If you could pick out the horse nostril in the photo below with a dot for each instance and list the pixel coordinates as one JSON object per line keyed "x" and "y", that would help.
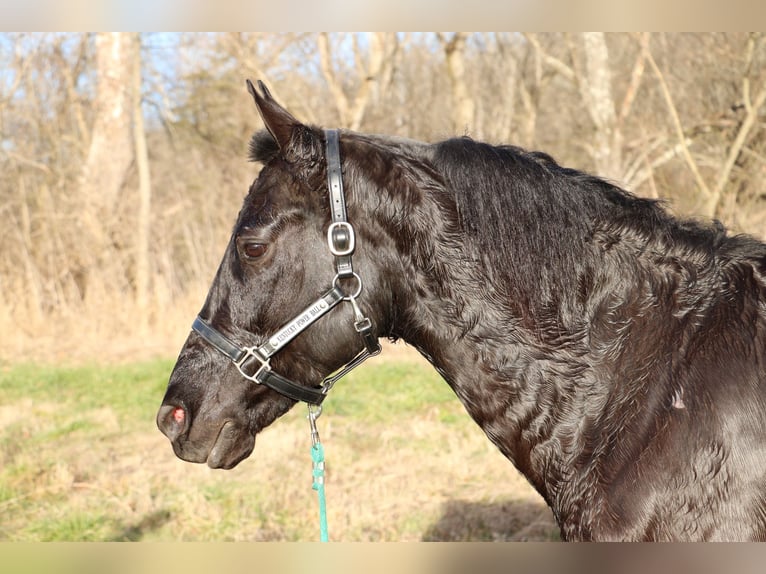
{"x": 171, "y": 420}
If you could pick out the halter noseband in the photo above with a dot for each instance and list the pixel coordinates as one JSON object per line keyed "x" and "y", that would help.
{"x": 253, "y": 362}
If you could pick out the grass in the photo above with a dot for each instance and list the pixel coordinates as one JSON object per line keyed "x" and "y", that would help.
{"x": 129, "y": 390}
{"x": 81, "y": 459}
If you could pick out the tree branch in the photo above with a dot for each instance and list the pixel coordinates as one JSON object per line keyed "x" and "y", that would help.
{"x": 325, "y": 63}
{"x": 635, "y": 79}
{"x": 551, "y": 61}
{"x": 682, "y": 139}
{"x": 752, "y": 107}
{"x": 636, "y": 178}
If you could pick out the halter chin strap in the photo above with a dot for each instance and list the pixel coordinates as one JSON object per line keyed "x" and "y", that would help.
{"x": 253, "y": 362}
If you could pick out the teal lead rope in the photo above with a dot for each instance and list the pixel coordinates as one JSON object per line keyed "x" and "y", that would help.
{"x": 317, "y": 459}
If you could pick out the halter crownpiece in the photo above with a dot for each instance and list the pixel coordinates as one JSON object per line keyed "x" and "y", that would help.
{"x": 253, "y": 362}
{"x": 340, "y": 234}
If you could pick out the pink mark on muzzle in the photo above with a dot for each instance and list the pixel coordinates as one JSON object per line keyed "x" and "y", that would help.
{"x": 179, "y": 415}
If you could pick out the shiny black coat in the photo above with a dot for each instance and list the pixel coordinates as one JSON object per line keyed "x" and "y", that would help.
{"x": 614, "y": 353}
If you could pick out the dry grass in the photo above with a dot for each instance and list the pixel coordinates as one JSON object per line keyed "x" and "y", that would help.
{"x": 76, "y": 469}
{"x": 107, "y": 329}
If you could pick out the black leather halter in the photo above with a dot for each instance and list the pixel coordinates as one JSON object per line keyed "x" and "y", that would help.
{"x": 253, "y": 362}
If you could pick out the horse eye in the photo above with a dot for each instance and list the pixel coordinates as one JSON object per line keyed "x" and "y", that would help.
{"x": 252, "y": 250}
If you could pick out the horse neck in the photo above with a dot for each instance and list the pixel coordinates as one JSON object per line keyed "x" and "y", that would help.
{"x": 484, "y": 308}
{"x": 490, "y": 351}
{"x": 532, "y": 368}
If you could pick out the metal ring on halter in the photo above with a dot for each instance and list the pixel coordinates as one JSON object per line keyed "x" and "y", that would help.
{"x": 358, "y": 289}
{"x": 252, "y": 352}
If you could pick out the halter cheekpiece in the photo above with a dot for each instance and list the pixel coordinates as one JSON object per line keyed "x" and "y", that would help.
{"x": 253, "y": 362}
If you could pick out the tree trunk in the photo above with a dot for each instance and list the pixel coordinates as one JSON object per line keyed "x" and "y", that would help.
{"x": 374, "y": 71}
{"x": 143, "y": 252}
{"x": 463, "y": 105}
{"x": 597, "y": 93}
{"x": 110, "y": 153}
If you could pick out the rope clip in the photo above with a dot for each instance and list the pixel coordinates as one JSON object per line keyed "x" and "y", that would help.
{"x": 314, "y": 412}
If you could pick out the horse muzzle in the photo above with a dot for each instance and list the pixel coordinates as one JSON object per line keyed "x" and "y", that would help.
{"x": 222, "y": 446}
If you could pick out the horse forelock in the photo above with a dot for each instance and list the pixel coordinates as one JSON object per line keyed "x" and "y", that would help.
{"x": 305, "y": 144}
{"x": 263, "y": 147}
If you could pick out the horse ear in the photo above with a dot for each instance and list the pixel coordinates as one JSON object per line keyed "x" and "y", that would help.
{"x": 278, "y": 120}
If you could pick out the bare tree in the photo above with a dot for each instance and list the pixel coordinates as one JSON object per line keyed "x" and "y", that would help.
{"x": 594, "y": 81}
{"x": 720, "y": 198}
{"x": 753, "y": 99}
{"x": 110, "y": 151}
{"x": 596, "y": 88}
{"x": 105, "y": 213}
{"x": 373, "y": 69}
{"x": 463, "y": 105}
{"x": 495, "y": 117}
{"x": 101, "y": 268}
{"x": 142, "y": 247}
{"x": 683, "y": 141}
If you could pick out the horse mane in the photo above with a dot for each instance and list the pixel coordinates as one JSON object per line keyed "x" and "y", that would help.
{"x": 542, "y": 224}
{"x": 501, "y": 190}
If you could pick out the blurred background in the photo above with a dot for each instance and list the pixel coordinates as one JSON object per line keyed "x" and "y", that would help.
{"x": 124, "y": 156}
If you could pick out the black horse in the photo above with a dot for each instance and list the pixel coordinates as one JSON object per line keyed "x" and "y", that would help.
{"x": 614, "y": 353}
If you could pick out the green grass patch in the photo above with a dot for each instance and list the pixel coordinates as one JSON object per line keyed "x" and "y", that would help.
{"x": 130, "y": 391}
{"x": 375, "y": 391}
{"x": 82, "y": 460}
{"x": 379, "y": 391}
{"x": 88, "y": 527}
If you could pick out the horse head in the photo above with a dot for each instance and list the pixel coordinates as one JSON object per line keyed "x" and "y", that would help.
{"x": 298, "y": 295}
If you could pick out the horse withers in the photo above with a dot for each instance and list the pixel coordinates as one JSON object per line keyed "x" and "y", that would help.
{"x": 614, "y": 353}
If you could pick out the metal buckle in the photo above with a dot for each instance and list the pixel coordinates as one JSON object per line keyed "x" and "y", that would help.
{"x": 341, "y": 238}
{"x": 252, "y": 352}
